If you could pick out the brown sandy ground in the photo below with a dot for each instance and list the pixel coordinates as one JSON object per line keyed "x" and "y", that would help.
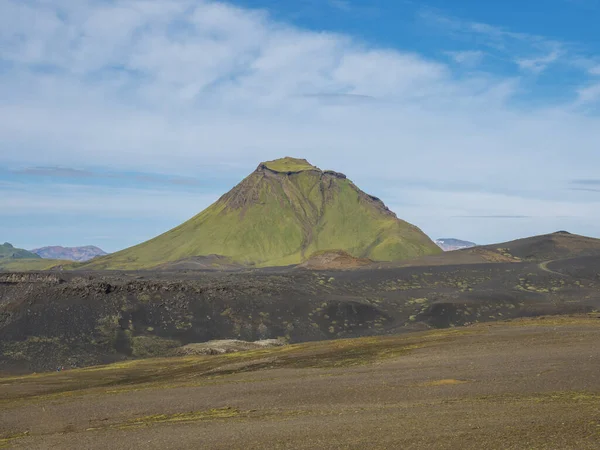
{"x": 525, "y": 384}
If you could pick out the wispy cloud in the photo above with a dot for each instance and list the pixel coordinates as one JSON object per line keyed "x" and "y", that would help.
{"x": 585, "y": 189}
{"x": 343, "y": 5}
{"x": 587, "y": 182}
{"x": 540, "y": 63}
{"x": 493, "y": 216}
{"x": 67, "y": 172}
{"x": 529, "y": 52}
{"x": 467, "y": 57}
{"x": 588, "y": 94}
{"x": 586, "y": 185}
{"x": 59, "y": 172}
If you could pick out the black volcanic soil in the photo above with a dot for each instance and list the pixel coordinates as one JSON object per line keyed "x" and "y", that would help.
{"x": 526, "y": 384}
{"x": 78, "y": 319}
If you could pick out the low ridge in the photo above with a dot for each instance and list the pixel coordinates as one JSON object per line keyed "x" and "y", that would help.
{"x": 560, "y": 244}
{"x": 283, "y": 212}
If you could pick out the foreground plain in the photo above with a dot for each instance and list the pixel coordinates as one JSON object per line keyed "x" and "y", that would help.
{"x": 524, "y": 384}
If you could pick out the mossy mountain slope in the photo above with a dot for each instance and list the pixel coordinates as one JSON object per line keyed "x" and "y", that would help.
{"x": 8, "y": 251}
{"x": 279, "y": 215}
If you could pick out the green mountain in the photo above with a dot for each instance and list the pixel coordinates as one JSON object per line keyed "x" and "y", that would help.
{"x": 280, "y": 214}
{"x": 17, "y": 259}
{"x": 8, "y": 251}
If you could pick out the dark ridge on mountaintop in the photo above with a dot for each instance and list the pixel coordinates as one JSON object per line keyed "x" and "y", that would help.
{"x": 283, "y": 212}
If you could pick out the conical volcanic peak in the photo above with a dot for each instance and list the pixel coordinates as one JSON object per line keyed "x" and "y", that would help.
{"x": 280, "y": 214}
{"x": 288, "y": 165}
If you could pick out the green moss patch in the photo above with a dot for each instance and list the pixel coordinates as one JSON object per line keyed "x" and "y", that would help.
{"x": 288, "y": 164}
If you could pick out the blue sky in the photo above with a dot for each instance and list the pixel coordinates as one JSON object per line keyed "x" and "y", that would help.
{"x": 120, "y": 119}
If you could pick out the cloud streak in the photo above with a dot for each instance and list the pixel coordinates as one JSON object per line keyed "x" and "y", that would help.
{"x": 71, "y": 173}
{"x": 531, "y": 53}
{"x": 493, "y": 216}
{"x": 469, "y": 58}
{"x": 587, "y": 182}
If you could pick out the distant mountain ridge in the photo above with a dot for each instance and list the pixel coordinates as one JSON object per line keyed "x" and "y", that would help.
{"x": 279, "y": 215}
{"x": 450, "y": 244}
{"x": 79, "y": 254}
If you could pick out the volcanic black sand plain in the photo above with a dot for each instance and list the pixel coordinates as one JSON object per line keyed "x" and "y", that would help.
{"x": 525, "y": 384}
{"x": 76, "y": 319}
{"x": 489, "y": 347}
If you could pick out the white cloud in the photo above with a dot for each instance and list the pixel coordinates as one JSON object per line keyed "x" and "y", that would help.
{"x": 530, "y": 52}
{"x": 595, "y": 70}
{"x": 587, "y": 95}
{"x": 539, "y": 63}
{"x": 343, "y": 5}
{"x": 468, "y": 58}
{"x": 177, "y": 85}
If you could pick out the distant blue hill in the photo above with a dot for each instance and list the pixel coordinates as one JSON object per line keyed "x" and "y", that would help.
{"x": 449, "y": 244}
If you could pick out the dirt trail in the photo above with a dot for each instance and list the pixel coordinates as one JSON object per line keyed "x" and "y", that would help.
{"x": 544, "y": 267}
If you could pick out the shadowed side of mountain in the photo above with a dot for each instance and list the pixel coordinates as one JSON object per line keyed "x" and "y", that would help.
{"x": 279, "y": 215}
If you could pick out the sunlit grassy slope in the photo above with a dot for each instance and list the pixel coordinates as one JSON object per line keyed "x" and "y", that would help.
{"x": 289, "y": 165}
{"x": 17, "y": 259}
{"x": 26, "y": 264}
{"x": 8, "y": 251}
{"x": 279, "y": 215}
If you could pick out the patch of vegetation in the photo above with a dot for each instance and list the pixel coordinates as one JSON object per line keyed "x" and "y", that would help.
{"x": 152, "y": 346}
{"x": 7, "y": 440}
{"x": 288, "y": 164}
{"x": 32, "y": 347}
{"x": 193, "y": 416}
{"x": 445, "y": 382}
{"x": 26, "y": 264}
